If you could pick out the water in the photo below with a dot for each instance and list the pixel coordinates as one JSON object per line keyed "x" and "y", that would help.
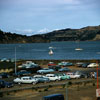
{"x": 62, "y": 50}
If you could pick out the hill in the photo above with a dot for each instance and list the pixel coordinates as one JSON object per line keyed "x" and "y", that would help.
{"x": 7, "y": 37}
{"x": 84, "y": 34}
{"x": 90, "y": 33}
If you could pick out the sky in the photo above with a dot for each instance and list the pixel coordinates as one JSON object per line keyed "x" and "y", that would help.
{"x": 29, "y": 17}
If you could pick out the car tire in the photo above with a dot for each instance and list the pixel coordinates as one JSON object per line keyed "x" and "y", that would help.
{"x": 57, "y": 80}
{"x": 33, "y": 83}
{"x": 19, "y": 83}
{"x": 8, "y": 86}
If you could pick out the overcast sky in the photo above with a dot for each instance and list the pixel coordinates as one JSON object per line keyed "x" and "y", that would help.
{"x": 39, "y": 16}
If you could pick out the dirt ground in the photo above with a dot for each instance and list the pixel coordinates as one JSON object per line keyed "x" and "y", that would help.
{"x": 87, "y": 92}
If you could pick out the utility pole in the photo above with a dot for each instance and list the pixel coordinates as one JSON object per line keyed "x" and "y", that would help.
{"x": 97, "y": 90}
{"x": 66, "y": 90}
{"x": 15, "y": 61}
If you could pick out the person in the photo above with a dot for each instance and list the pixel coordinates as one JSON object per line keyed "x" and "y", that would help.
{"x": 95, "y": 74}
{"x": 91, "y": 74}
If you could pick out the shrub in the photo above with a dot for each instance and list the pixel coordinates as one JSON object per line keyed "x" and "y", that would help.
{"x": 1, "y": 94}
{"x": 46, "y": 89}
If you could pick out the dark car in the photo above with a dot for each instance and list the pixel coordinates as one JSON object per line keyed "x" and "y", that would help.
{"x": 85, "y": 65}
{"x": 22, "y": 73}
{"x": 79, "y": 64}
{"x": 4, "y": 84}
{"x": 4, "y": 75}
{"x": 42, "y": 79}
{"x": 54, "y": 97}
{"x": 82, "y": 74}
{"x": 56, "y": 68}
{"x": 64, "y": 69}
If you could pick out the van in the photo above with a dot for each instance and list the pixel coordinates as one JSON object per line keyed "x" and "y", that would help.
{"x": 54, "y": 97}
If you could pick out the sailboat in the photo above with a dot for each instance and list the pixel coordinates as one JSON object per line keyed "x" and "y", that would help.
{"x": 50, "y": 52}
{"x": 78, "y": 48}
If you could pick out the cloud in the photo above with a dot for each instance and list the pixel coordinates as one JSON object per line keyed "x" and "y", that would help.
{"x": 25, "y": 31}
{"x": 30, "y": 32}
{"x": 69, "y": 1}
{"x": 45, "y": 30}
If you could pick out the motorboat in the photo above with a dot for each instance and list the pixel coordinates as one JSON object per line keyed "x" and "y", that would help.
{"x": 78, "y": 49}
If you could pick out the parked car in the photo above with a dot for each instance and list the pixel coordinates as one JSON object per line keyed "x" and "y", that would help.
{"x": 84, "y": 65}
{"x": 41, "y": 78}
{"x": 53, "y": 77}
{"x": 5, "y": 59}
{"x": 45, "y": 70}
{"x": 64, "y": 69}
{"x": 51, "y": 64}
{"x": 62, "y": 76}
{"x": 4, "y": 84}
{"x": 54, "y": 97}
{"x": 26, "y": 79}
{"x": 65, "y": 64}
{"x": 82, "y": 75}
{"x": 4, "y": 75}
{"x": 92, "y": 65}
{"x": 73, "y": 75}
{"x": 22, "y": 73}
{"x": 28, "y": 64}
{"x": 79, "y": 64}
{"x": 56, "y": 68}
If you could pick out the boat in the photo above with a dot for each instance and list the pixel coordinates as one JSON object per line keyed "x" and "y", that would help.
{"x": 50, "y": 47}
{"x": 50, "y": 52}
{"x": 78, "y": 49}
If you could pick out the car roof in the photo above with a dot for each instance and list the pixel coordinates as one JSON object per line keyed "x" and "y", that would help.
{"x": 49, "y": 74}
{"x": 26, "y": 77}
{"x": 53, "y": 95}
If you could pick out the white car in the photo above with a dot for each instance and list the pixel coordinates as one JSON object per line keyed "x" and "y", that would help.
{"x": 53, "y": 77}
{"x": 26, "y": 79}
{"x": 92, "y": 65}
{"x": 35, "y": 76}
{"x": 73, "y": 75}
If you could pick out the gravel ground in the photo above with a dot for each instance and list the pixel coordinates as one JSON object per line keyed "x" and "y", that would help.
{"x": 74, "y": 93}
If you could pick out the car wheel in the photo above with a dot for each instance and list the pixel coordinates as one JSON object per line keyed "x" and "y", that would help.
{"x": 19, "y": 83}
{"x": 0, "y": 76}
{"x": 56, "y": 79}
{"x": 33, "y": 83}
{"x": 45, "y": 81}
{"x": 8, "y": 86}
{"x": 8, "y": 76}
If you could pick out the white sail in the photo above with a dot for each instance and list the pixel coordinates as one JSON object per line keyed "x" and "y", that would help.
{"x": 50, "y": 52}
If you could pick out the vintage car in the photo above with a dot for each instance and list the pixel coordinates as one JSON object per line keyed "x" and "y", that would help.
{"x": 41, "y": 78}
{"x": 26, "y": 79}
{"x": 53, "y": 77}
{"x": 62, "y": 76}
{"x": 45, "y": 70}
{"x": 64, "y": 69}
{"x": 65, "y": 64}
{"x": 4, "y": 84}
